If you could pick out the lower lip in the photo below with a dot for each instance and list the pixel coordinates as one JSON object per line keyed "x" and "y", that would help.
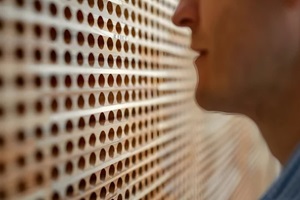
{"x": 200, "y": 59}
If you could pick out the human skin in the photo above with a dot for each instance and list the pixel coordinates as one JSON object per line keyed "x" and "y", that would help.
{"x": 249, "y": 63}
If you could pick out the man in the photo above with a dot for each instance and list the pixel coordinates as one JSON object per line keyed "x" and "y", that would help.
{"x": 249, "y": 63}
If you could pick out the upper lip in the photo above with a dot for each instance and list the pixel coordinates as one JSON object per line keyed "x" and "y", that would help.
{"x": 201, "y": 51}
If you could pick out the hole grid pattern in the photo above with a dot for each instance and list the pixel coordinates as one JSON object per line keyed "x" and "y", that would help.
{"x": 94, "y": 103}
{"x": 99, "y": 124}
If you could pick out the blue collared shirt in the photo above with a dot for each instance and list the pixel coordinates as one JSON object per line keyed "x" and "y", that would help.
{"x": 287, "y": 186}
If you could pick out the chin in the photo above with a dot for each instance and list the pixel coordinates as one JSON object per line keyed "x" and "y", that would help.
{"x": 213, "y": 102}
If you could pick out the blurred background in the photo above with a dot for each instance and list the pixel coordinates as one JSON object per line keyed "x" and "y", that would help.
{"x": 97, "y": 102}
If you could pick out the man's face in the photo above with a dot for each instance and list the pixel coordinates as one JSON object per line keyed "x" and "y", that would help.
{"x": 249, "y": 49}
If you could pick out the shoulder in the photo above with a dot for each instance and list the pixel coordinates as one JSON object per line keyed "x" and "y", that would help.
{"x": 287, "y": 186}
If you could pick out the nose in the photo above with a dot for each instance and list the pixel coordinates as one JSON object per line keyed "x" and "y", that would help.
{"x": 186, "y": 14}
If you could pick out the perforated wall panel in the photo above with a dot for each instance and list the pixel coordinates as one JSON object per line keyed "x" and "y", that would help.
{"x": 97, "y": 103}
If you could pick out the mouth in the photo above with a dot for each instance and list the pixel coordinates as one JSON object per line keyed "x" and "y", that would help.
{"x": 202, "y": 55}
{"x": 202, "y": 52}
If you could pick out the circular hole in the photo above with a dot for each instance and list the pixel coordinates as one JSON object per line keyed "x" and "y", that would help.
{"x": 92, "y": 159}
{"x": 112, "y": 188}
{"x": 118, "y": 28}
{"x": 126, "y": 30}
{"x": 39, "y": 156}
{"x": 101, "y": 60}
{"x": 92, "y": 100}
{"x": 101, "y": 98}
{"x": 101, "y": 80}
{"x": 37, "y": 5}
{"x": 68, "y": 81}
{"x": 126, "y": 97}
{"x": 81, "y": 163}
{"x": 110, "y": 61}
{"x": 79, "y": 58}
{"x": 39, "y": 179}
{"x": 111, "y": 151}
{"x": 21, "y": 109}
{"x": 91, "y": 40}
{"x": 19, "y": 53}
{"x": 119, "y": 45}
{"x": 91, "y": 3}
{"x": 92, "y": 140}
{"x": 93, "y": 196}
{"x": 126, "y": 63}
{"x": 133, "y": 64}
{"x": 119, "y": 62}
{"x": 21, "y": 187}
{"x": 111, "y": 170}
{"x": 126, "y": 14}
{"x": 110, "y": 80}
{"x": 80, "y": 101}
{"x": 110, "y": 25}
{"x": 100, "y": 5}
{"x": 100, "y": 42}
{"x": 81, "y": 123}
{"x": 80, "y": 38}
{"x": 127, "y": 162}
{"x": 102, "y": 137}
{"x": 67, "y": 36}
{"x": 119, "y": 100}
{"x": 70, "y": 191}
{"x": 118, "y": 11}
{"x": 68, "y": 13}
{"x": 55, "y": 151}
{"x": 102, "y": 119}
{"x": 102, "y": 175}
{"x": 119, "y": 183}
{"x": 54, "y": 105}
{"x": 100, "y": 22}
{"x": 69, "y": 147}
{"x": 111, "y": 98}
{"x": 119, "y": 148}
{"x": 126, "y": 47}
{"x": 111, "y": 134}
{"x": 91, "y": 20}
{"x": 79, "y": 16}
{"x": 111, "y": 117}
{"x": 103, "y": 193}
{"x": 19, "y": 81}
{"x": 19, "y": 26}
{"x": 133, "y": 48}
{"x": 53, "y": 33}
{"x": 109, "y": 7}
{"x": 53, "y": 9}
{"x": 21, "y": 161}
{"x": 93, "y": 179}
{"x": 68, "y": 57}
{"x": 91, "y": 80}
{"x": 82, "y": 184}
{"x": 126, "y": 145}
{"x": 69, "y": 167}
{"x": 119, "y": 115}
{"x": 91, "y": 59}
{"x": 110, "y": 44}
{"x": 119, "y": 132}
{"x": 102, "y": 155}
{"x": 127, "y": 179}
{"x": 126, "y": 80}
{"x": 80, "y": 81}
{"x": 37, "y": 31}
{"x": 81, "y": 143}
{"x": 119, "y": 80}
{"x": 54, "y": 173}
{"x": 92, "y": 121}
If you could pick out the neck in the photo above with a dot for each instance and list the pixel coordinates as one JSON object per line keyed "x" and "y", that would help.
{"x": 278, "y": 121}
